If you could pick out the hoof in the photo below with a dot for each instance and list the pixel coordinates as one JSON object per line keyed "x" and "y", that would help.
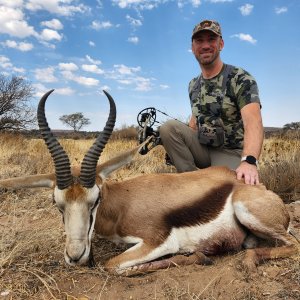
{"x": 202, "y": 259}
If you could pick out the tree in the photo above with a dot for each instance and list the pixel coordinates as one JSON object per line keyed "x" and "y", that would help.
{"x": 15, "y": 109}
{"x": 292, "y": 126}
{"x": 76, "y": 120}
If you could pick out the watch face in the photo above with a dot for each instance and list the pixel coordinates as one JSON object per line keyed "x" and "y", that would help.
{"x": 251, "y": 159}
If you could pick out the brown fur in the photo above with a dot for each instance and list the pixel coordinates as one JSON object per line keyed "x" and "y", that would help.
{"x": 76, "y": 193}
{"x": 124, "y": 202}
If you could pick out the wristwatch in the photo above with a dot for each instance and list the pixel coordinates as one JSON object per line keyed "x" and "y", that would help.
{"x": 250, "y": 160}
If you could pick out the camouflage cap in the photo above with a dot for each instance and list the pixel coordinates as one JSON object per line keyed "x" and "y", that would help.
{"x": 210, "y": 25}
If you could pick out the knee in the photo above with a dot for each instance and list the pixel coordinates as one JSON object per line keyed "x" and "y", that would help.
{"x": 167, "y": 128}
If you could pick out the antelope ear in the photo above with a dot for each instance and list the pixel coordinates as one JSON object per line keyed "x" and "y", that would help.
{"x": 105, "y": 169}
{"x": 33, "y": 181}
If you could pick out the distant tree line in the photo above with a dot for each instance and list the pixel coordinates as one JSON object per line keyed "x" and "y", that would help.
{"x": 292, "y": 126}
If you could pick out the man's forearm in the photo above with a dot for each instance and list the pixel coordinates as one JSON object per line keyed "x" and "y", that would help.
{"x": 253, "y": 130}
{"x": 253, "y": 140}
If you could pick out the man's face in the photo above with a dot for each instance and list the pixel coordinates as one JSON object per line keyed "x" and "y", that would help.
{"x": 206, "y": 47}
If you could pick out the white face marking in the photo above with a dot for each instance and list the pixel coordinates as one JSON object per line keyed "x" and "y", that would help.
{"x": 79, "y": 218}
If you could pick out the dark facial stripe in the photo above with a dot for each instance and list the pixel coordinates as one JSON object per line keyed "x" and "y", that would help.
{"x": 201, "y": 211}
{"x": 91, "y": 215}
{"x": 91, "y": 222}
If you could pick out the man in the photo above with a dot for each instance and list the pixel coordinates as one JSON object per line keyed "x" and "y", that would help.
{"x": 226, "y": 125}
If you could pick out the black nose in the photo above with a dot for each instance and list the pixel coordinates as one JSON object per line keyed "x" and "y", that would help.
{"x": 75, "y": 259}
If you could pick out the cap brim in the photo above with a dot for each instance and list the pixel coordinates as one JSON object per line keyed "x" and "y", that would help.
{"x": 201, "y": 30}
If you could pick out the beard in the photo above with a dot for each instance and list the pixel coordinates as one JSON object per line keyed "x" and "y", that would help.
{"x": 207, "y": 58}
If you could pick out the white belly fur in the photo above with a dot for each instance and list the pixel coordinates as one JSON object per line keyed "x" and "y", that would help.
{"x": 206, "y": 237}
{"x": 222, "y": 233}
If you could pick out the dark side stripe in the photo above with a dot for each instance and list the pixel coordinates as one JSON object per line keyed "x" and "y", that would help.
{"x": 203, "y": 210}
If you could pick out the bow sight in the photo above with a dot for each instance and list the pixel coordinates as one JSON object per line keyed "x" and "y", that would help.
{"x": 146, "y": 120}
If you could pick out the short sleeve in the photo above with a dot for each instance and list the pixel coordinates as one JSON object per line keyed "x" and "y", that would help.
{"x": 246, "y": 89}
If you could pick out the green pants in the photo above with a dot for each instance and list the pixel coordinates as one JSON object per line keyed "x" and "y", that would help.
{"x": 187, "y": 154}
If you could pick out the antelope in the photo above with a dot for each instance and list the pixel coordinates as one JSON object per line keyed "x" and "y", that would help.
{"x": 168, "y": 219}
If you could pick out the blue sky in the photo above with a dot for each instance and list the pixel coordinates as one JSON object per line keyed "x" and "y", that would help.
{"x": 139, "y": 51}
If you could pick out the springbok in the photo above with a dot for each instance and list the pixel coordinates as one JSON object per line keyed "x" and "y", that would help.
{"x": 194, "y": 214}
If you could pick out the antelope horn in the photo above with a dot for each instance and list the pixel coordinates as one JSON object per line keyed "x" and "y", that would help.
{"x": 61, "y": 160}
{"x": 90, "y": 160}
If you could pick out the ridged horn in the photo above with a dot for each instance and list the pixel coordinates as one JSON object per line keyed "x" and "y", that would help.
{"x": 90, "y": 160}
{"x": 61, "y": 160}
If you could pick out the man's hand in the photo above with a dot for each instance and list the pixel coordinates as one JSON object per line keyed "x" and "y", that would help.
{"x": 248, "y": 172}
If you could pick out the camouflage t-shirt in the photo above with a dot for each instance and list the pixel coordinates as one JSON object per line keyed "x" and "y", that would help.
{"x": 241, "y": 89}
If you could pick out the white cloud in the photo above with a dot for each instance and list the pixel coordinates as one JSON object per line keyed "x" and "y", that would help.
{"x": 65, "y": 91}
{"x": 60, "y": 7}
{"x": 126, "y": 81}
{"x": 101, "y": 25}
{"x": 53, "y": 24}
{"x": 196, "y": 3}
{"x": 246, "y": 9}
{"x": 134, "y": 22}
{"x": 10, "y": 3}
{"x": 151, "y": 4}
{"x": 12, "y": 22}
{"x": 5, "y": 62}
{"x": 143, "y": 84}
{"x": 245, "y": 37}
{"x": 68, "y": 67}
{"x": 281, "y": 10}
{"x": 219, "y": 1}
{"x": 92, "y": 44}
{"x": 93, "y": 61}
{"x": 164, "y": 86}
{"x": 40, "y": 89}
{"x": 124, "y": 70}
{"x": 105, "y": 88}
{"x": 92, "y": 68}
{"x": 49, "y": 35}
{"x": 22, "y": 46}
{"x": 7, "y": 65}
{"x": 45, "y": 74}
{"x": 18, "y": 70}
{"x": 138, "y": 4}
{"x": 129, "y": 76}
{"x": 133, "y": 40}
{"x": 87, "y": 81}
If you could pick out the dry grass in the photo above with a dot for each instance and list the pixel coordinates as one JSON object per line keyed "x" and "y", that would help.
{"x": 31, "y": 232}
{"x": 280, "y": 163}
